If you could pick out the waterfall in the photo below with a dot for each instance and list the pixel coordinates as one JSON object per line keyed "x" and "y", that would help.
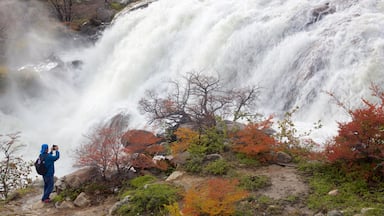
{"x": 64, "y": 87}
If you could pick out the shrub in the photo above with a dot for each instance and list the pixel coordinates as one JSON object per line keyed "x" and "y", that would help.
{"x": 218, "y": 167}
{"x": 215, "y": 197}
{"x": 150, "y": 200}
{"x": 253, "y": 141}
{"x": 253, "y": 183}
{"x": 360, "y": 141}
{"x": 140, "y": 181}
{"x": 194, "y": 164}
{"x": 247, "y": 160}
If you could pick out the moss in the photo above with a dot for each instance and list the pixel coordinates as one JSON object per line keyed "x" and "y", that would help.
{"x": 353, "y": 191}
{"x": 117, "y": 6}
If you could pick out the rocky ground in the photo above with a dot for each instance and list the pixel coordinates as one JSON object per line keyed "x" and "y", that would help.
{"x": 285, "y": 182}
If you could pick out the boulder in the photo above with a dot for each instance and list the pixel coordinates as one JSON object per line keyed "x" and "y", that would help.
{"x": 117, "y": 205}
{"x": 334, "y": 213}
{"x": 139, "y": 138}
{"x": 65, "y": 205}
{"x": 76, "y": 179}
{"x": 174, "y": 175}
{"x": 282, "y": 157}
{"x": 320, "y": 11}
{"x": 82, "y": 200}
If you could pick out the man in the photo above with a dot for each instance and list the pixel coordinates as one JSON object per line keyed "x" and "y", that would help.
{"x": 50, "y": 159}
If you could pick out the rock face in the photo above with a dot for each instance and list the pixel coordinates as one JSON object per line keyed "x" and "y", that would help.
{"x": 76, "y": 179}
{"x": 320, "y": 11}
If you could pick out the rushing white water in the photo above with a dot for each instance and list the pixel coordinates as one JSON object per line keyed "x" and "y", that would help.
{"x": 264, "y": 42}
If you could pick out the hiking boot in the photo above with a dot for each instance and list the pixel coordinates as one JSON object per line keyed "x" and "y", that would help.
{"x": 47, "y": 200}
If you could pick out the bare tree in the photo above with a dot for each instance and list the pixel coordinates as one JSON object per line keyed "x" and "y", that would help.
{"x": 63, "y": 9}
{"x": 199, "y": 99}
{"x": 104, "y": 150}
{"x": 14, "y": 171}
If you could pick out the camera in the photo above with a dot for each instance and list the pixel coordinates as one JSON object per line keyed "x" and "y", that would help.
{"x": 54, "y": 147}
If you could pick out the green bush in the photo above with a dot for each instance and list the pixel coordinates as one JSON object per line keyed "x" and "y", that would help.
{"x": 253, "y": 183}
{"x": 142, "y": 180}
{"x": 150, "y": 200}
{"x": 194, "y": 164}
{"x": 247, "y": 160}
{"x": 70, "y": 194}
{"x": 218, "y": 167}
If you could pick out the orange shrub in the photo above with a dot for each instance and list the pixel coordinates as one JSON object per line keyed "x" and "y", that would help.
{"x": 185, "y": 136}
{"x": 214, "y": 197}
{"x": 252, "y": 140}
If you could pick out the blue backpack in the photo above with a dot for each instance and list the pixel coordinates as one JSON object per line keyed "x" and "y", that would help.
{"x": 41, "y": 169}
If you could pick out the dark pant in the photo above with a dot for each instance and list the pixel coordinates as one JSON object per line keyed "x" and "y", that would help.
{"x": 48, "y": 187}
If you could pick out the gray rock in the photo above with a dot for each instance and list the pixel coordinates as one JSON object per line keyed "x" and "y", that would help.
{"x": 65, "y": 205}
{"x": 82, "y": 200}
{"x": 116, "y": 206}
{"x": 334, "y": 213}
{"x": 282, "y": 157}
{"x": 213, "y": 157}
{"x": 174, "y": 175}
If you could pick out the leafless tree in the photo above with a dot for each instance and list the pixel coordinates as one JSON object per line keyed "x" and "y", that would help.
{"x": 199, "y": 99}
{"x": 63, "y": 9}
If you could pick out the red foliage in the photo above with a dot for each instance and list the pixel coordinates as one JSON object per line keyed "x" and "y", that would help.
{"x": 139, "y": 140}
{"x": 361, "y": 139}
{"x": 252, "y": 140}
{"x": 103, "y": 150}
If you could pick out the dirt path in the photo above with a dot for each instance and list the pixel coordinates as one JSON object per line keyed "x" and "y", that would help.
{"x": 285, "y": 182}
{"x": 30, "y": 205}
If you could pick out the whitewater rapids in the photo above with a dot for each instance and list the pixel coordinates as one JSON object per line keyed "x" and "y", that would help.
{"x": 268, "y": 43}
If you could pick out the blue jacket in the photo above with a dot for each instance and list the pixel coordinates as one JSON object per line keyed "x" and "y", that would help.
{"x": 49, "y": 159}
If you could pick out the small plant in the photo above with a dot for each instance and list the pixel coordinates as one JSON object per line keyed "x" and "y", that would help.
{"x": 218, "y": 167}
{"x": 253, "y": 183}
{"x": 140, "y": 181}
{"x": 247, "y": 160}
{"x": 194, "y": 164}
{"x": 67, "y": 194}
{"x": 173, "y": 209}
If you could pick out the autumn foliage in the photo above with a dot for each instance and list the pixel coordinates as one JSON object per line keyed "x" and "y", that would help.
{"x": 215, "y": 197}
{"x": 185, "y": 137}
{"x": 140, "y": 140}
{"x": 253, "y": 141}
{"x": 109, "y": 149}
{"x": 362, "y": 139}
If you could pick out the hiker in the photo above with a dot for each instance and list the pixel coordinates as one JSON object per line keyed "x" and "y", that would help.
{"x": 50, "y": 159}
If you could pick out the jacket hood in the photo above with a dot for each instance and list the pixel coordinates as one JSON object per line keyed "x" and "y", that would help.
{"x": 44, "y": 148}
